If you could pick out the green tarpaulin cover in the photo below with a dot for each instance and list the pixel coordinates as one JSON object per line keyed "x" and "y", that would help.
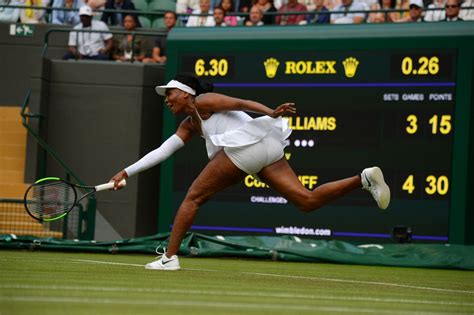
{"x": 285, "y": 248}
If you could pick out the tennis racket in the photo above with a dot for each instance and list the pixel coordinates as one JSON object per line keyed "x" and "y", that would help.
{"x": 52, "y": 198}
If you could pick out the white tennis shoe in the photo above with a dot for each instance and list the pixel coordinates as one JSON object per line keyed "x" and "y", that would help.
{"x": 372, "y": 181}
{"x": 164, "y": 263}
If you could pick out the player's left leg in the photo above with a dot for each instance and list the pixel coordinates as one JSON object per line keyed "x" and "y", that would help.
{"x": 281, "y": 177}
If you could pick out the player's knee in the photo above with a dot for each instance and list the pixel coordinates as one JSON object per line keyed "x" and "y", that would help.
{"x": 306, "y": 208}
{"x": 308, "y": 204}
{"x": 195, "y": 198}
{"x": 304, "y": 201}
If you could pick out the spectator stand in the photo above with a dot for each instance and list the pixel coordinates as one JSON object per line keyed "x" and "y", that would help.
{"x": 151, "y": 12}
{"x": 154, "y": 33}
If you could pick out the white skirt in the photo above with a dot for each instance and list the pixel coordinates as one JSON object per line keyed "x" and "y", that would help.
{"x": 254, "y": 145}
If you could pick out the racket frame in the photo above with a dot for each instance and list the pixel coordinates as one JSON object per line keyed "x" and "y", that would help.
{"x": 93, "y": 189}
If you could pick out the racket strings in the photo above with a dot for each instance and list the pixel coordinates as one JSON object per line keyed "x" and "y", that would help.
{"x": 48, "y": 200}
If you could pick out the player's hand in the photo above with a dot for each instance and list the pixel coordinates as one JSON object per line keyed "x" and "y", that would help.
{"x": 118, "y": 178}
{"x": 284, "y": 109}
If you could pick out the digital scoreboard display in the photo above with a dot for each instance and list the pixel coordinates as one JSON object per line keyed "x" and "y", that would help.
{"x": 398, "y": 96}
{"x": 389, "y": 108}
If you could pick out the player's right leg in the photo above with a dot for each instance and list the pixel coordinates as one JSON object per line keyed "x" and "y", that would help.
{"x": 218, "y": 174}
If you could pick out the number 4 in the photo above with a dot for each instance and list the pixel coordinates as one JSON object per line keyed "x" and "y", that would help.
{"x": 408, "y": 185}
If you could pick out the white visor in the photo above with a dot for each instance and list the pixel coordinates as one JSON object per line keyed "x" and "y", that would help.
{"x": 173, "y": 84}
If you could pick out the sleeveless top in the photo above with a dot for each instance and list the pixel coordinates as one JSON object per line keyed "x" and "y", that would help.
{"x": 238, "y": 129}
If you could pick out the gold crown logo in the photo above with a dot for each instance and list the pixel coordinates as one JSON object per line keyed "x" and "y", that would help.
{"x": 271, "y": 67}
{"x": 350, "y": 66}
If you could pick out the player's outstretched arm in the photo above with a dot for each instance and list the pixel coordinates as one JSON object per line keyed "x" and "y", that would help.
{"x": 214, "y": 102}
{"x": 284, "y": 109}
{"x": 183, "y": 134}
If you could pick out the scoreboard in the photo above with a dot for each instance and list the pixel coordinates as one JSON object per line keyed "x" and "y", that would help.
{"x": 359, "y": 103}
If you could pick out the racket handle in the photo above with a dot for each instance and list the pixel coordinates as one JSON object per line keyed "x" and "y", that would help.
{"x": 110, "y": 185}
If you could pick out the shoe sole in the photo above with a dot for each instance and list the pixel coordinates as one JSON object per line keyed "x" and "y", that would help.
{"x": 170, "y": 268}
{"x": 382, "y": 187}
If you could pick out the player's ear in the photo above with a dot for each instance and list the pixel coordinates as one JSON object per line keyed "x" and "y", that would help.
{"x": 186, "y": 94}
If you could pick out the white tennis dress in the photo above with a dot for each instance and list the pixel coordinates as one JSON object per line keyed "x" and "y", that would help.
{"x": 251, "y": 144}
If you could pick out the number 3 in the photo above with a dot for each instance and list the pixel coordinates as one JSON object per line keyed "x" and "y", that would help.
{"x": 413, "y": 127}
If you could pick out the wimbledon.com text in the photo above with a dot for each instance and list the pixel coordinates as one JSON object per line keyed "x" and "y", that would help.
{"x": 302, "y": 231}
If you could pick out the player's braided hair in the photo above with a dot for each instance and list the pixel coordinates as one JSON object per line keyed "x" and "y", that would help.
{"x": 194, "y": 82}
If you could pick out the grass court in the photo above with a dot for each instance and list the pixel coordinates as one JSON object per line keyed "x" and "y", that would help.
{"x": 38, "y": 282}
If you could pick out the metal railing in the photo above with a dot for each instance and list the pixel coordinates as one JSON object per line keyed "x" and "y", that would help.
{"x": 133, "y": 33}
{"x": 14, "y": 220}
{"x": 80, "y": 223}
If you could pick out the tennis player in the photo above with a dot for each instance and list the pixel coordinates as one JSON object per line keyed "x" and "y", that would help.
{"x": 237, "y": 145}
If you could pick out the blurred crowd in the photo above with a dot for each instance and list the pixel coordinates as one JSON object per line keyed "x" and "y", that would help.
{"x": 129, "y": 15}
{"x": 243, "y": 12}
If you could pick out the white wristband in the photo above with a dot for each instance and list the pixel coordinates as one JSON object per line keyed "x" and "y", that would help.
{"x": 171, "y": 145}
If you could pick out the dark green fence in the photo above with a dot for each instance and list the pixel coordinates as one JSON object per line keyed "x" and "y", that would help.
{"x": 79, "y": 224}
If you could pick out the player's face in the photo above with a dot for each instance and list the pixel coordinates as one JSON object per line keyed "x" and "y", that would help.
{"x": 175, "y": 100}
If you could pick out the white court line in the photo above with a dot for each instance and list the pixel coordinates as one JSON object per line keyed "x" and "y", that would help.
{"x": 135, "y": 265}
{"x": 360, "y": 282}
{"x": 105, "y": 262}
{"x": 227, "y": 293}
{"x": 187, "y": 302}
{"x": 304, "y": 277}
{"x": 279, "y": 275}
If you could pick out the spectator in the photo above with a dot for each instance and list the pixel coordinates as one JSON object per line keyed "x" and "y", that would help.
{"x": 228, "y": 7}
{"x": 291, "y": 6}
{"x": 320, "y": 14}
{"x": 10, "y": 15}
{"x": 266, "y": 6}
{"x": 405, "y": 6}
{"x": 219, "y": 16}
{"x": 159, "y": 50}
{"x": 367, "y": 4}
{"x": 84, "y": 45}
{"x": 203, "y": 20}
{"x": 32, "y": 16}
{"x": 435, "y": 15}
{"x": 346, "y": 17}
{"x": 452, "y": 11}
{"x": 309, "y": 4}
{"x": 186, "y": 6}
{"x": 66, "y": 17}
{"x": 95, "y": 4}
{"x": 467, "y": 14}
{"x": 331, "y": 4}
{"x": 416, "y": 12}
{"x": 382, "y": 17}
{"x": 215, "y": 4}
{"x": 244, "y": 5}
{"x": 255, "y": 17}
{"x": 123, "y": 43}
{"x": 117, "y": 18}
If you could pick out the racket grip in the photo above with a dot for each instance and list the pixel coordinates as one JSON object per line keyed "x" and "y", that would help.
{"x": 110, "y": 185}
